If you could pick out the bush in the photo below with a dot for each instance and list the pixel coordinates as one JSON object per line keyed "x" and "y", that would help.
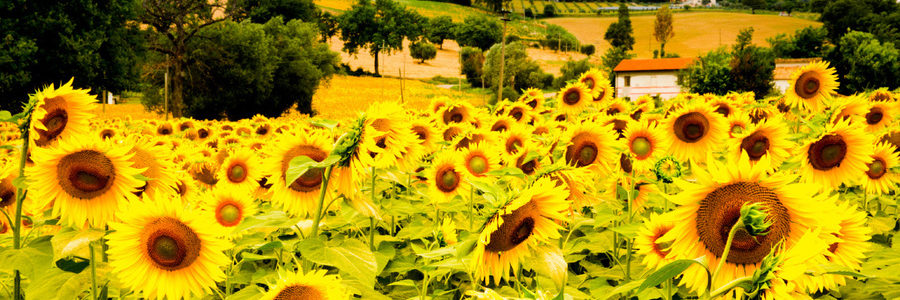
{"x": 480, "y": 31}
{"x": 528, "y": 13}
{"x": 571, "y": 71}
{"x": 588, "y": 49}
{"x": 549, "y": 11}
{"x": 519, "y": 71}
{"x": 471, "y": 63}
{"x": 422, "y": 51}
{"x": 509, "y": 94}
{"x": 558, "y": 38}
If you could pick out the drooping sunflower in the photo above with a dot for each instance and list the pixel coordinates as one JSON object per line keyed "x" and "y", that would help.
{"x": 810, "y": 85}
{"x": 165, "y": 251}
{"x": 60, "y": 113}
{"x": 156, "y": 160}
{"x": 164, "y": 129}
{"x": 592, "y": 80}
{"x": 228, "y": 206}
{"x": 604, "y": 94}
{"x": 768, "y": 138}
{"x": 426, "y": 135}
{"x": 617, "y": 106}
{"x": 644, "y": 141}
{"x": 882, "y": 95}
{"x": 838, "y": 155}
{"x": 590, "y": 145}
{"x": 387, "y": 140}
{"x": 87, "y": 179}
{"x": 520, "y": 112}
{"x": 186, "y": 187}
{"x": 724, "y": 106}
{"x": 518, "y": 227}
{"x": 694, "y": 130}
{"x": 502, "y": 123}
{"x": 879, "y": 179}
{"x": 573, "y": 98}
{"x": 438, "y": 103}
{"x": 526, "y": 159}
{"x": 444, "y": 179}
{"x": 708, "y": 209}
{"x": 579, "y": 182}
{"x": 892, "y": 137}
{"x": 315, "y": 284}
{"x": 880, "y": 115}
{"x": 240, "y": 171}
{"x": 478, "y": 159}
{"x": 298, "y": 197}
{"x": 649, "y": 243}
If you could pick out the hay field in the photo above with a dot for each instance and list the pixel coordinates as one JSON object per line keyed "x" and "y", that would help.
{"x": 695, "y": 33}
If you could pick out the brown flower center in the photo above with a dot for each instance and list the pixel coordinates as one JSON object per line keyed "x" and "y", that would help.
{"x": 85, "y": 174}
{"x": 875, "y": 115}
{"x": 451, "y": 133}
{"x": 756, "y": 145}
{"x": 571, "y": 97}
{"x": 171, "y": 245}
{"x": 723, "y": 109}
{"x": 661, "y": 249}
{"x": 164, "y": 129}
{"x": 453, "y": 115}
{"x": 516, "y": 228}
{"x": 600, "y": 96}
{"x": 720, "y": 210}
{"x": 421, "y": 133}
{"x": 877, "y": 168}
{"x": 513, "y": 144}
{"x": 229, "y": 214}
{"x": 691, "y": 127}
{"x": 583, "y": 151}
{"x": 447, "y": 179}
{"x": 892, "y": 138}
{"x": 299, "y": 292}
{"x": 202, "y": 133}
{"x": 807, "y": 85}
{"x": 107, "y": 134}
{"x": 641, "y": 147}
{"x": 527, "y": 167}
{"x": 827, "y": 153}
{"x": 55, "y": 121}
{"x": 7, "y": 193}
{"x": 237, "y": 172}
{"x": 478, "y": 164}
{"x": 517, "y": 113}
{"x": 588, "y": 82}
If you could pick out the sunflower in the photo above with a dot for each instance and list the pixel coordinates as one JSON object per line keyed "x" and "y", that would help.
{"x": 298, "y": 197}
{"x": 533, "y": 97}
{"x": 590, "y": 145}
{"x": 387, "y": 139}
{"x": 156, "y": 160}
{"x": 107, "y": 133}
{"x": 240, "y": 171}
{"x": 572, "y": 98}
{"x": 478, "y": 159}
{"x": 643, "y": 188}
{"x": 315, "y": 284}
{"x": 457, "y": 112}
{"x": 604, "y": 93}
{"x": 426, "y": 135}
{"x": 60, "y": 113}
{"x": 852, "y": 107}
{"x": 519, "y": 226}
{"x": 724, "y": 106}
{"x": 185, "y": 187}
{"x": 8, "y": 172}
{"x": 502, "y": 123}
{"x": 852, "y": 240}
{"x": 448, "y": 231}
{"x": 768, "y": 138}
{"x": 880, "y": 115}
{"x": 708, "y": 209}
{"x": 164, "y": 129}
{"x": 892, "y": 137}
{"x": 644, "y": 144}
{"x": 592, "y": 80}
{"x": 879, "y": 179}
{"x": 694, "y": 130}
{"x": 87, "y": 179}
{"x": 445, "y": 179}
{"x": 520, "y": 112}
{"x": 649, "y": 244}
{"x": 810, "y": 85}
{"x": 737, "y": 124}
{"x": 882, "y": 95}
{"x": 786, "y": 268}
{"x": 513, "y": 141}
{"x": 617, "y": 106}
{"x": 204, "y": 133}
{"x": 163, "y": 250}
{"x": 205, "y": 172}
{"x": 579, "y": 182}
{"x": 438, "y": 103}
{"x": 839, "y": 155}
{"x": 228, "y": 206}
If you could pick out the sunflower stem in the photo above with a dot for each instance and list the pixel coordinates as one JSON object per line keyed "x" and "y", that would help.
{"x": 25, "y": 128}
{"x": 669, "y": 295}
{"x": 471, "y": 204}
{"x": 730, "y": 286}
{"x": 372, "y": 219}
{"x": 318, "y": 217}
{"x": 93, "y": 272}
{"x": 737, "y": 225}
{"x": 628, "y": 242}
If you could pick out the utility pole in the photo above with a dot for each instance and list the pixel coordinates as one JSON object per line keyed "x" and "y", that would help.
{"x": 166, "y": 89}
{"x": 505, "y": 19}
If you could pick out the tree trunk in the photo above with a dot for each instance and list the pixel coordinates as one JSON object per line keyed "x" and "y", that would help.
{"x": 662, "y": 50}
{"x": 376, "y": 62}
{"x": 177, "y": 88}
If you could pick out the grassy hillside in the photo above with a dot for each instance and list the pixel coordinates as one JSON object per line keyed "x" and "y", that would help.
{"x": 695, "y": 33}
{"x": 426, "y": 8}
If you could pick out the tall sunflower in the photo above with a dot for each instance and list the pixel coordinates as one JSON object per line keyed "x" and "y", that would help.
{"x": 315, "y": 284}
{"x": 445, "y": 179}
{"x": 60, "y": 113}
{"x": 768, "y": 138}
{"x": 590, "y": 145}
{"x": 519, "y": 226}
{"x": 86, "y": 179}
{"x": 649, "y": 243}
{"x": 879, "y": 179}
{"x": 709, "y": 208}
{"x": 693, "y": 131}
{"x": 156, "y": 160}
{"x": 165, "y": 251}
{"x": 839, "y": 155}
{"x": 228, "y": 206}
{"x": 240, "y": 171}
{"x": 298, "y": 197}
{"x": 644, "y": 144}
{"x": 810, "y": 85}
{"x": 573, "y": 98}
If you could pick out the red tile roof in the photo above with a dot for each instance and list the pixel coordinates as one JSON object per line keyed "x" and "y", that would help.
{"x": 658, "y": 64}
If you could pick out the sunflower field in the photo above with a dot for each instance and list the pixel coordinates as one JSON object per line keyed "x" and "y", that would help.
{"x": 581, "y": 196}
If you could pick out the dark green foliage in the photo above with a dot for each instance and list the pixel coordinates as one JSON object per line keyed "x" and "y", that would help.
{"x": 509, "y": 94}
{"x": 528, "y": 13}
{"x": 558, "y": 38}
{"x": 381, "y": 26}
{"x": 588, "y": 49}
{"x": 260, "y": 11}
{"x": 571, "y": 71}
{"x": 867, "y": 64}
{"x": 422, "y": 51}
{"x": 96, "y": 42}
{"x": 620, "y": 34}
{"x": 549, "y": 11}
{"x": 751, "y": 66}
{"x": 471, "y": 64}
{"x": 520, "y": 71}
{"x": 439, "y": 29}
{"x": 612, "y": 58}
{"x": 708, "y": 74}
{"x": 754, "y": 4}
{"x": 844, "y": 15}
{"x": 805, "y": 43}
{"x": 328, "y": 25}
{"x": 480, "y": 31}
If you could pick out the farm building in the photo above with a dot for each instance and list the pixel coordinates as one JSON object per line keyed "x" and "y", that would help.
{"x": 638, "y": 77}
{"x": 698, "y": 3}
{"x": 785, "y": 67}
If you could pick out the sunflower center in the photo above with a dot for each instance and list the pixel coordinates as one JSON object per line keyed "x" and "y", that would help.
{"x": 203, "y": 133}
{"x": 499, "y": 126}
{"x": 517, "y": 114}
{"x": 421, "y": 133}
{"x": 85, "y": 174}
{"x": 55, "y": 121}
{"x": 451, "y": 133}
{"x": 876, "y": 169}
{"x": 312, "y": 179}
{"x": 637, "y": 115}
{"x": 827, "y": 152}
{"x": 7, "y": 193}
{"x": 737, "y": 129}
{"x": 513, "y": 145}
{"x": 229, "y": 215}
{"x": 756, "y": 145}
{"x": 299, "y": 292}
{"x": 571, "y": 97}
{"x": 528, "y": 167}
{"x": 107, "y": 133}
{"x": 453, "y": 115}
{"x": 516, "y": 228}
{"x": 533, "y": 103}
{"x": 874, "y": 115}
{"x": 724, "y": 110}
{"x": 612, "y": 111}
{"x": 641, "y": 146}
{"x": 661, "y": 248}
{"x": 238, "y": 173}
{"x": 171, "y": 244}
{"x": 449, "y": 180}
{"x": 720, "y": 210}
{"x": 586, "y": 155}
{"x": 589, "y": 82}
{"x": 600, "y": 96}
{"x": 560, "y": 118}
{"x": 691, "y": 127}
{"x": 807, "y": 85}
{"x": 3, "y": 228}
{"x": 164, "y": 130}
{"x": 478, "y": 164}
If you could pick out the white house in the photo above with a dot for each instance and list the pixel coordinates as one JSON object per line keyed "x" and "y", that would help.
{"x": 638, "y": 77}
{"x": 698, "y": 3}
{"x": 785, "y": 67}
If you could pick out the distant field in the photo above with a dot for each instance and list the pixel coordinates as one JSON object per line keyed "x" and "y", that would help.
{"x": 426, "y": 8}
{"x": 695, "y": 33}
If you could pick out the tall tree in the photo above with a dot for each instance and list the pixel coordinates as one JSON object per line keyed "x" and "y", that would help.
{"x": 174, "y": 23}
{"x": 379, "y": 27}
{"x": 620, "y": 33}
{"x": 439, "y": 29}
{"x": 663, "y": 29}
{"x": 481, "y": 31}
{"x": 752, "y": 67}
{"x": 612, "y": 58}
{"x": 260, "y": 11}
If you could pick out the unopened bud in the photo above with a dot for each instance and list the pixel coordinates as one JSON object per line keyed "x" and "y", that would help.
{"x": 754, "y": 218}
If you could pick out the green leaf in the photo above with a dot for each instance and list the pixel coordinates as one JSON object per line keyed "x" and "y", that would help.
{"x": 628, "y": 230}
{"x": 667, "y": 272}
{"x": 324, "y": 123}
{"x": 247, "y": 293}
{"x": 66, "y": 244}
{"x": 515, "y": 172}
{"x": 271, "y": 246}
{"x": 5, "y": 116}
{"x": 48, "y": 286}
{"x": 74, "y": 265}
{"x": 255, "y": 257}
{"x": 352, "y": 257}
{"x": 301, "y": 164}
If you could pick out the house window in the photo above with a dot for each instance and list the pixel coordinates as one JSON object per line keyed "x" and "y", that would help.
{"x": 627, "y": 80}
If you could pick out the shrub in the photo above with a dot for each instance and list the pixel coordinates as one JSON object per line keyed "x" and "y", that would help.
{"x": 471, "y": 63}
{"x": 549, "y": 11}
{"x": 519, "y": 70}
{"x": 588, "y": 49}
{"x": 528, "y": 13}
{"x": 571, "y": 71}
{"x": 422, "y": 51}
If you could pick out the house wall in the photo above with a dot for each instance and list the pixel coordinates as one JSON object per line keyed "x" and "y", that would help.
{"x": 662, "y": 83}
{"x": 782, "y": 85}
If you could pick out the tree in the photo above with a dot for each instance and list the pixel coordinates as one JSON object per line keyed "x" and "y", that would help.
{"x": 260, "y": 11}
{"x": 379, "y": 27}
{"x": 549, "y": 11}
{"x": 96, "y": 42}
{"x": 841, "y": 16}
{"x": 481, "y": 31}
{"x": 663, "y": 29}
{"x": 172, "y": 24}
{"x": 422, "y": 51}
{"x": 612, "y": 58}
{"x": 754, "y": 4}
{"x": 439, "y": 29}
{"x": 806, "y": 42}
{"x": 752, "y": 67}
{"x": 588, "y": 49}
{"x": 620, "y": 34}
{"x": 870, "y": 64}
{"x": 471, "y": 65}
{"x": 708, "y": 74}
{"x": 558, "y": 38}
{"x": 571, "y": 71}
{"x": 520, "y": 71}
{"x": 328, "y": 25}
